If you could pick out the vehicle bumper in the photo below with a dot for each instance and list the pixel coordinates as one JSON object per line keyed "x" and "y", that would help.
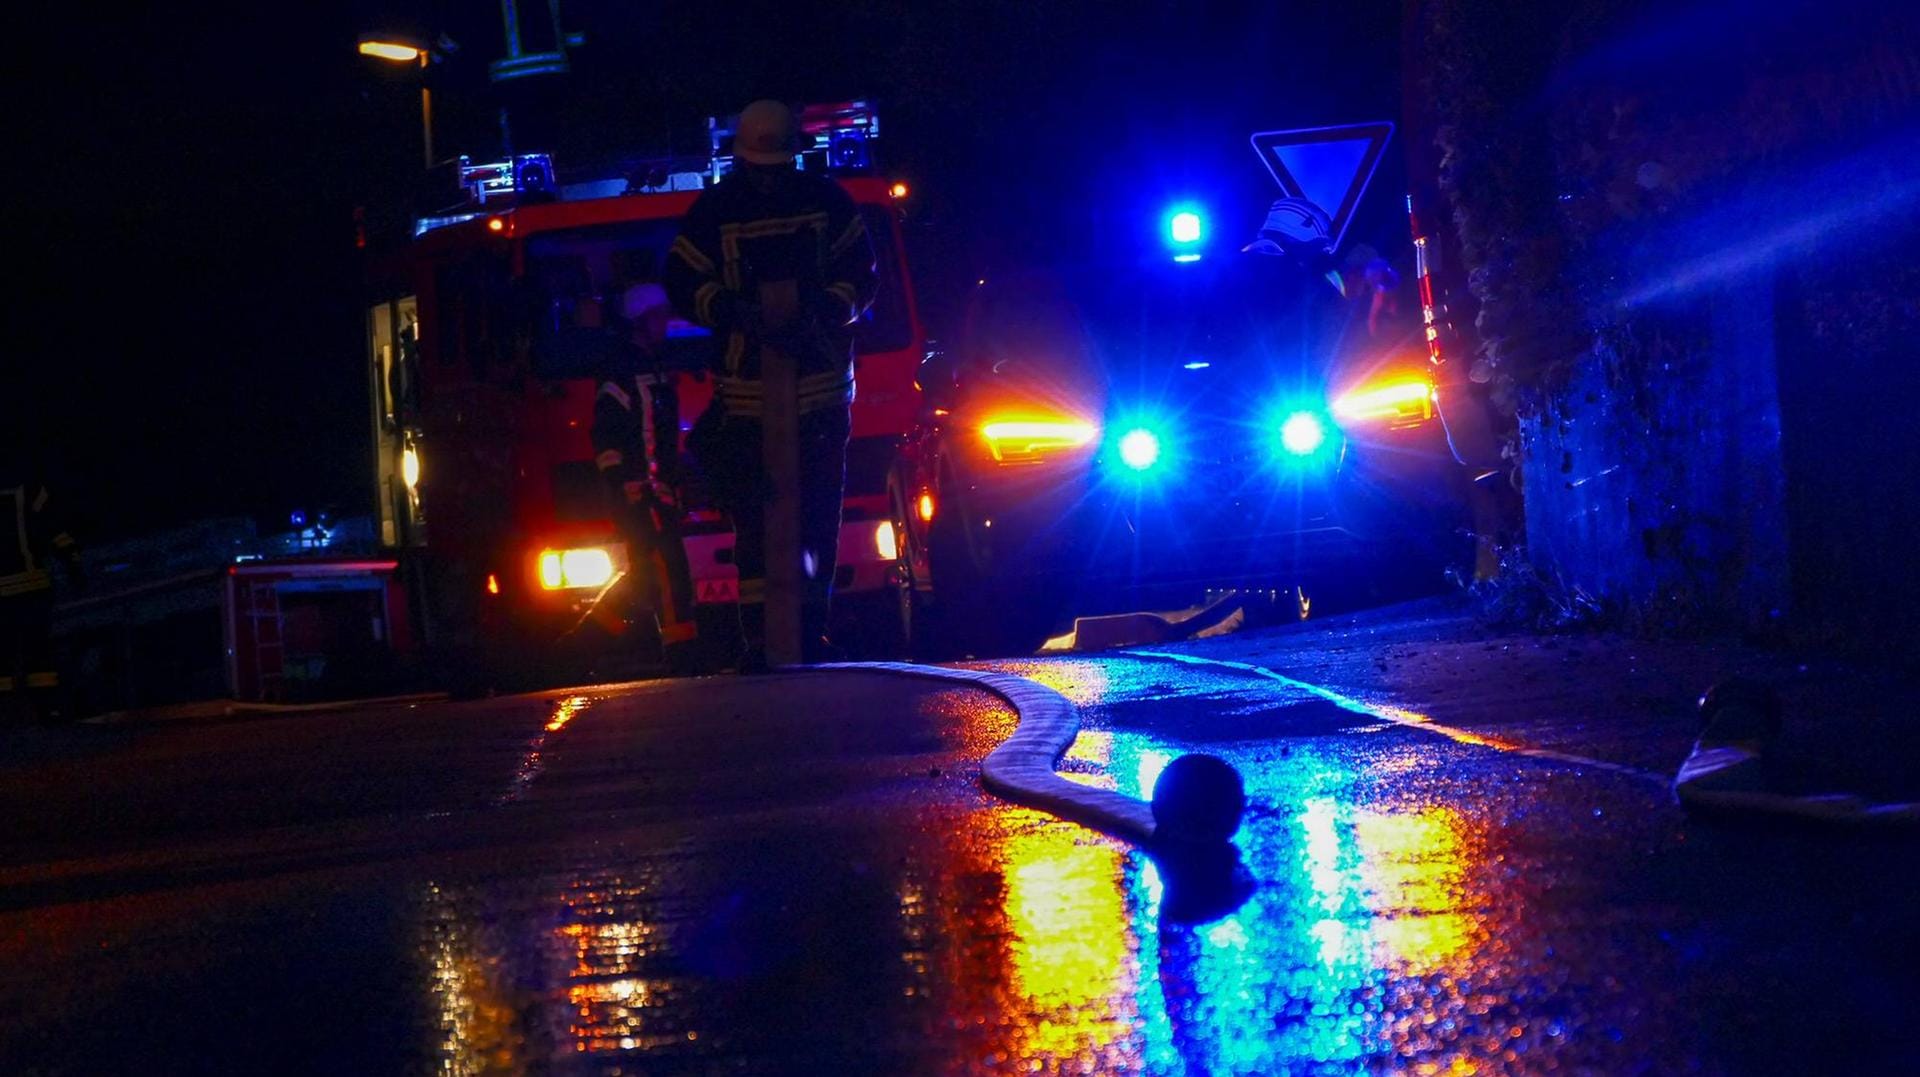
{"x": 1264, "y": 526}
{"x": 859, "y": 566}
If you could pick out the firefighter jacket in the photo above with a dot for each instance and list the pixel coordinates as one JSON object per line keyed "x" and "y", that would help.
{"x": 33, "y": 536}
{"x": 738, "y": 236}
{"x": 636, "y": 433}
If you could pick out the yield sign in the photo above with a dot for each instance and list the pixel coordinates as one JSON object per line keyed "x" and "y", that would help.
{"x": 1328, "y": 167}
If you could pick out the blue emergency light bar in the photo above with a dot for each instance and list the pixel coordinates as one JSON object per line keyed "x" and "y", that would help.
{"x": 840, "y": 137}
{"x": 494, "y": 182}
{"x": 526, "y": 173}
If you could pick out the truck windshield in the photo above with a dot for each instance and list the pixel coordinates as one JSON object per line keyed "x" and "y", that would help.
{"x": 1230, "y": 310}
{"x": 575, "y": 280}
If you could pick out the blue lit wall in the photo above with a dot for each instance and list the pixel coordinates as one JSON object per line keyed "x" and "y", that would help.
{"x": 1720, "y": 438}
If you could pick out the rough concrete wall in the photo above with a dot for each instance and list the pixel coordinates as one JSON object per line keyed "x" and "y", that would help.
{"x": 1711, "y": 175}
{"x": 1654, "y": 483}
{"x": 1850, "y": 410}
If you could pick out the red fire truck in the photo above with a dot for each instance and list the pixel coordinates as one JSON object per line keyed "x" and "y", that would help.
{"x": 485, "y": 477}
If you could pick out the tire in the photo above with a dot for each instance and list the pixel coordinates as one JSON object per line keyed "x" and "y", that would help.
{"x": 977, "y": 613}
{"x": 872, "y": 627}
{"x": 916, "y": 637}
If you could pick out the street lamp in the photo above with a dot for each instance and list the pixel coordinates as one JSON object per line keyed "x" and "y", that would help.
{"x": 398, "y": 49}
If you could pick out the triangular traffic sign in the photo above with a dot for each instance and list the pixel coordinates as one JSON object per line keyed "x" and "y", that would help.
{"x": 1329, "y": 167}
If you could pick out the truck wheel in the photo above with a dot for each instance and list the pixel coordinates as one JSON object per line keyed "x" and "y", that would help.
{"x": 914, "y": 622}
{"x": 976, "y": 614}
{"x": 899, "y": 623}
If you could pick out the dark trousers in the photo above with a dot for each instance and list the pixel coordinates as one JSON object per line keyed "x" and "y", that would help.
{"x": 26, "y": 644}
{"x": 823, "y": 472}
{"x": 657, "y": 572}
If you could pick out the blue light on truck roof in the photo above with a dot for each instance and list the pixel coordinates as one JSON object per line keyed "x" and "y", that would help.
{"x": 1184, "y": 227}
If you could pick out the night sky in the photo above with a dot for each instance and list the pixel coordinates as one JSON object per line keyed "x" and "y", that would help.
{"x": 190, "y": 338}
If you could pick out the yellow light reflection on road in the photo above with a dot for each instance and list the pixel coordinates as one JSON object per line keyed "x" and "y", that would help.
{"x": 1088, "y": 760}
{"x": 1460, "y": 736}
{"x": 1083, "y": 681}
{"x": 1070, "y": 956}
{"x": 1414, "y": 871}
{"x": 972, "y": 722}
{"x": 564, "y": 711}
{"x": 615, "y": 1006}
{"x": 1392, "y": 886}
{"x": 478, "y": 1023}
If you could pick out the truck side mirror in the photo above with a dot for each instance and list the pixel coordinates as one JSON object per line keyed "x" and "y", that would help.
{"x": 937, "y": 378}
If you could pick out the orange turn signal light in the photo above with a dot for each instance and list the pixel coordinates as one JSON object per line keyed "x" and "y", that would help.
{"x": 1017, "y": 441}
{"x": 1400, "y": 402}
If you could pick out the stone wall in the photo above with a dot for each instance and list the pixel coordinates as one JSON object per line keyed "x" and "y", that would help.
{"x": 1709, "y": 346}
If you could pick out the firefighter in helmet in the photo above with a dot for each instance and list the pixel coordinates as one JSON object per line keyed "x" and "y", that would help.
{"x": 636, "y": 444}
{"x": 764, "y": 224}
{"x": 35, "y": 536}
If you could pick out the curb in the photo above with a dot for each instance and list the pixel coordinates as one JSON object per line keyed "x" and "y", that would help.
{"x": 1401, "y": 717}
{"x": 1021, "y": 768}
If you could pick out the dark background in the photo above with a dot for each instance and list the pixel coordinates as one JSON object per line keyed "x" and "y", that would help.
{"x": 189, "y": 336}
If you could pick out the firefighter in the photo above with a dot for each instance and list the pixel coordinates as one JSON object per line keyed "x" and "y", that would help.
{"x": 34, "y": 536}
{"x": 636, "y": 442}
{"x": 763, "y": 224}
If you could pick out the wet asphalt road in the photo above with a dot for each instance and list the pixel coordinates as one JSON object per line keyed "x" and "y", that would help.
{"x": 799, "y": 874}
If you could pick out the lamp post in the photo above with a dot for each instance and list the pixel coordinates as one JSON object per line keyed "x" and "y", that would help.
{"x": 399, "y": 50}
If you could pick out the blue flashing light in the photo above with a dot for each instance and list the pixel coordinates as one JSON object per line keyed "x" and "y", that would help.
{"x": 1197, "y": 364}
{"x": 1303, "y": 433}
{"x": 1140, "y": 448}
{"x": 1186, "y": 232}
{"x": 297, "y": 519}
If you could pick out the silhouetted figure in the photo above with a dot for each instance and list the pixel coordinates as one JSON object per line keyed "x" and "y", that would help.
{"x": 35, "y": 535}
{"x": 777, "y": 262}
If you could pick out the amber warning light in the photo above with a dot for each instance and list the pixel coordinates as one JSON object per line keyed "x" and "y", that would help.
{"x": 1400, "y": 403}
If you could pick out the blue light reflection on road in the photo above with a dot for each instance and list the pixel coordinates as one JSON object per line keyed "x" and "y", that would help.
{"x": 1010, "y": 941}
{"x": 1355, "y": 948}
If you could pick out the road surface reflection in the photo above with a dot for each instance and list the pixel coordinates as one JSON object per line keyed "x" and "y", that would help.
{"x": 1005, "y": 940}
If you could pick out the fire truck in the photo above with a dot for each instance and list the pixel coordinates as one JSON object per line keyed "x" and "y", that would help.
{"x": 483, "y": 468}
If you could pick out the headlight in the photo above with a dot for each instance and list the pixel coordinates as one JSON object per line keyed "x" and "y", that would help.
{"x": 568, "y": 569}
{"x": 410, "y": 466}
{"x": 1140, "y": 448}
{"x": 1399, "y": 402}
{"x": 884, "y": 543}
{"x": 1302, "y": 433}
{"x": 1025, "y": 441}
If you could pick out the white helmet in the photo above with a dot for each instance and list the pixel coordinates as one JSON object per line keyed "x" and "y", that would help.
{"x": 767, "y": 134}
{"x": 641, "y": 299}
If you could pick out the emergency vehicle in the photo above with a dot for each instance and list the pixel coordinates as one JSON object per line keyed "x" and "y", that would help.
{"x": 484, "y": 472}
{"x": 1208, "y": 409}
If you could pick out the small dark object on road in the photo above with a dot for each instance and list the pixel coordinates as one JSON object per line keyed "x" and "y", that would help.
{"x": 1740, "y": 709}
{"x": 1198, "y": 800}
